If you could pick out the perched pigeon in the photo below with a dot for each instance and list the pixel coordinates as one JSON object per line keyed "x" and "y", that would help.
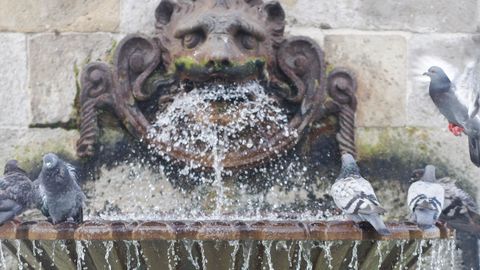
{"x": 425, "y": 199}
{"x": 355, "y": 196}
{"x": 459, "y": 208}
{"x": 17, "y": 192}
{"x": 62, "y": 197}
{"x": 451, "y": 98}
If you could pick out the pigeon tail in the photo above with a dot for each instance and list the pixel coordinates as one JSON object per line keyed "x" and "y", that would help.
{"x": 474, "y": 147}
{"x": 6, "y": 215}
{"x": 376, "y": 221}
{"x": 425, "y": 218}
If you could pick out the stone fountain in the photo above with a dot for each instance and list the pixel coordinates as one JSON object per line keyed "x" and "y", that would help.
{"x": 220, "y": 97}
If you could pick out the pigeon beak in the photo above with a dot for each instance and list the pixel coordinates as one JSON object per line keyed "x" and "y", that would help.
{"x": 426, "y": 74}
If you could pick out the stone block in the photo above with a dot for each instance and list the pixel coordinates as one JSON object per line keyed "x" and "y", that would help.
{"x": 138, "y": 16}
{"x": 14, "y": 98}
{"x": 379, "y": 62}
{"x": 427, "y": 16}
{"x": 59, "y": 15}
{"x": 29, "y": 145}
{"x": 54, "y": 63}
{"x": 451, "y": 53}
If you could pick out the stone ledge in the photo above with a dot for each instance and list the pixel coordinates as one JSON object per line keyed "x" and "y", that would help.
{"x": 216, "y": 230}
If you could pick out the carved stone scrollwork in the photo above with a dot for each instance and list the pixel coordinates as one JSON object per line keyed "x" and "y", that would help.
{"x": 97, "y": 82}
{"x": 302, "y": 61}
{"x": 341, "y": 88}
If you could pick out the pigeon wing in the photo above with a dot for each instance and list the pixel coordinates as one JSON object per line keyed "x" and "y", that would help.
{"x": 355, "y": 195}
{"x": 467, "y": 87}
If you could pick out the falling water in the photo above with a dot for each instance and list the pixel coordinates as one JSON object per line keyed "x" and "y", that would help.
{"x": 236, "y": 246}
{"x": 268, "y": 252}
{"x": 108, "y": 248}
{"x": 247, "y": 252}
{"x": 202, "y": 253}
{"x": 80, "y": 254}
{"x": 307, "y": 247}
{"x": 2, "y": 256}
{"x": 401, "y": 243}
{"x": 54, "y": 245}
{"x": 379, "y": 252}
{"x": 19, "y": 251}
{"x": 354, "y": 260}
{"x": 172, "y": 255}
{"x": 326, "y": 246}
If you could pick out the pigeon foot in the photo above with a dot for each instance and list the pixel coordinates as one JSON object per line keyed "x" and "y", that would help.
{"x": 456, "y": 130}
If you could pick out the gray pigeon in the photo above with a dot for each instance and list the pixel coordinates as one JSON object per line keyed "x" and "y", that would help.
{"x": 356, "y": 197}
{"x": 425, "y": 199}
{"x": 459, "y": 208}
{"x": 17, "y": 192}
{"x": 450, "y": 99}
{"x": 62, "y": 197}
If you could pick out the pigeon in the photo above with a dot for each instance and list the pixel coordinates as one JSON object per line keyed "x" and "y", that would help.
{"x": 356, "y": 197}
{"x": 62, "y": 197}
{"x": 453, "y": 101}
{"x": 17, "y": 192}
{"x": 459, "y": 208}
{"x": 426, "y": 199}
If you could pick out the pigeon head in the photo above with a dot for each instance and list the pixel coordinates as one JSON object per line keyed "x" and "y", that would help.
{"x": 50, "y": 161}
{"x": 429, "y": 174}
{"x": 12, "y": 166}
{"x": 349, "y": 167}
{"x": 439, "y": 81}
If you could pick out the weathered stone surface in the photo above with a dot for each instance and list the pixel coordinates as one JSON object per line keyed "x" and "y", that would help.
{"x": 450, "y": 52}
{"x": 138, "y": 16}
{"x": 54, "y": 62}
{"x": 312, "y": 32}
{"x": 379, "y": 62}
{"x": 436, "y": 146}
{"x": 14, "y": 99}
{"x": 429, "y": 16}
{"x": 29, "y": 145}
{"x": 60, "y": 15}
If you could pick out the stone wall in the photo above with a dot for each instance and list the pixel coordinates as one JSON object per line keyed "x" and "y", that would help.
{"x": 44, "y": 44}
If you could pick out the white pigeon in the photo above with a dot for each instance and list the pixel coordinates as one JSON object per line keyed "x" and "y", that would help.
{"x": 356, "y": 197}
{"x": 426, "y": 199}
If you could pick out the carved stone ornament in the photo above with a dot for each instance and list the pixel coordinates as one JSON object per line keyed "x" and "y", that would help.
{"x": 228, "y": 41}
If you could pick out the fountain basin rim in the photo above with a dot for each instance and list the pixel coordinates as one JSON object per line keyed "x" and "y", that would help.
{"x": 217, "y": 230}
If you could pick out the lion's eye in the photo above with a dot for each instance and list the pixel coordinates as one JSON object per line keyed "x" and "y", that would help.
{"x": 248, "y": 41}
{"x": 191, "y": 40}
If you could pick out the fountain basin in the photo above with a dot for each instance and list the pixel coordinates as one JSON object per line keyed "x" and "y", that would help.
{"x": 215, "y": 244}
{"x": 217, "y": 230}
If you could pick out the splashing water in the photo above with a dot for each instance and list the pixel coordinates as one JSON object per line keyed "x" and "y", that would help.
{"x": 214, "y": 121}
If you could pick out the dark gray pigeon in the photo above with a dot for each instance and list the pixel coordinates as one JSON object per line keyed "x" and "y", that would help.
{"x": 17, "y": 192}
{"x": 62, "y": 197}
{"x": 425, "y": 199}
{"x": 356, "y": 197}
{"x": 452, "y": 101}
